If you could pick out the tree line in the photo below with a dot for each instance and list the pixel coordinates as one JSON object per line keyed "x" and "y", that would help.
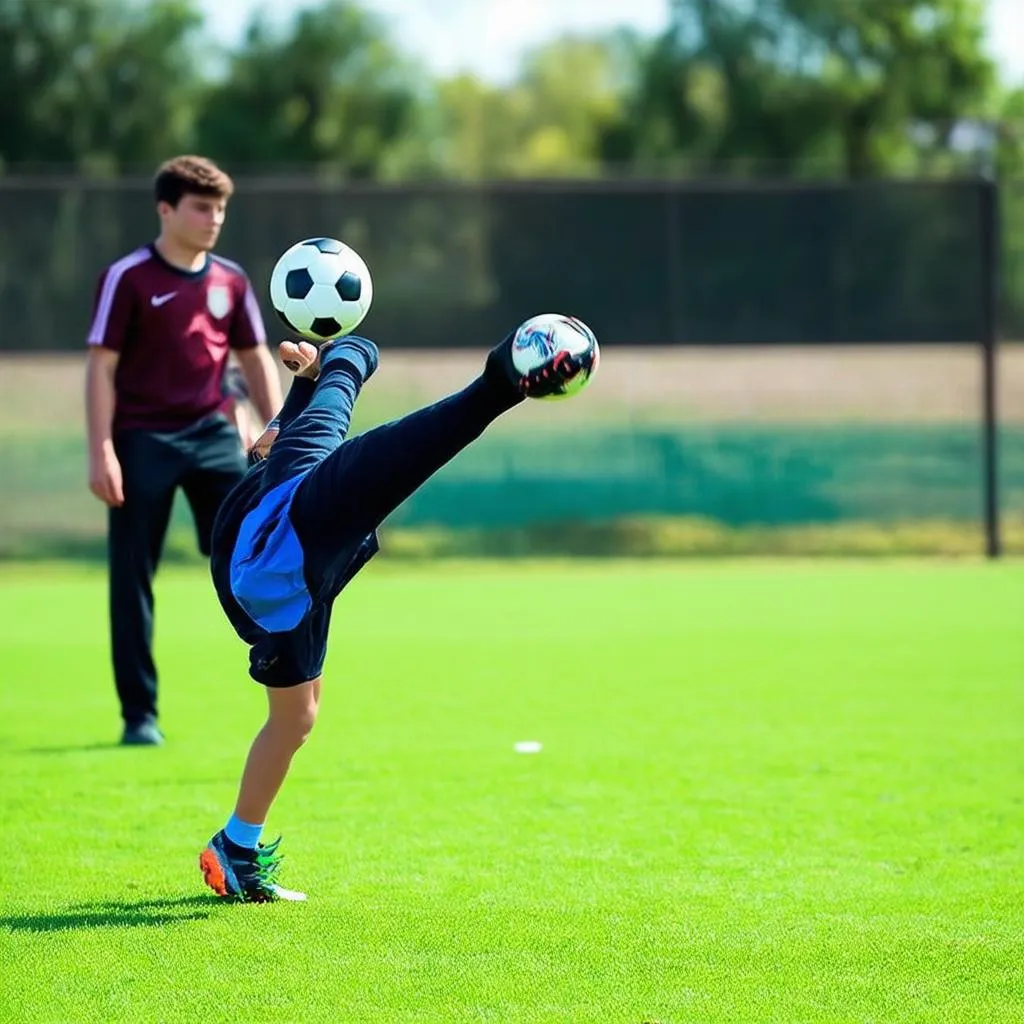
{"x": 795, "y": 88}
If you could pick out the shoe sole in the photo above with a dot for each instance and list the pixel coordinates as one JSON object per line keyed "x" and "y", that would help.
{"x": 289, "y": 895}
{"x": 213, "y": 873}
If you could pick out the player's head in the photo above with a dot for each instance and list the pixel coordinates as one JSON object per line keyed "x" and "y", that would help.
{"x": 191, "y": 197}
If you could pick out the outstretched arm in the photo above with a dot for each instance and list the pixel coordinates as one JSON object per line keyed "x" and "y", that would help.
{"x": 303, "y": 359}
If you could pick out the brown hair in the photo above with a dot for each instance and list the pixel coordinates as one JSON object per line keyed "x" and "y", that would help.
{"x": 190, "y": 175}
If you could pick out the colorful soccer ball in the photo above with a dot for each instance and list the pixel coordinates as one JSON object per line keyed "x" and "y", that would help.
{"x": 321, "y": 289}
{"x": 541, "y": 338}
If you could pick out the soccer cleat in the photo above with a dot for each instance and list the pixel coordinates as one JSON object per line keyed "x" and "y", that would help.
{"x": 246, "y": 875}
{"x": 551, "y": 378}
{"x": 548, "y": 379}
{"x": 142, "y": 734}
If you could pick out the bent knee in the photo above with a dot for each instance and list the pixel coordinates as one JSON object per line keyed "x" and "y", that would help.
{"x": 298, "y": 727}
{"x": 304, "y": 725}
{"x": 294, "y": 721}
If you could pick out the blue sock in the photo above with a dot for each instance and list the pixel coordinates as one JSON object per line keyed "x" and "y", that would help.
{"x": 241, "y": 833}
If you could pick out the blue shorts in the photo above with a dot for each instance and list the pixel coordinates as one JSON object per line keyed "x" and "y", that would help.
{"x": 290, "y": 659}
{"x": 300, "y": 526}
{"x": 286, "y": 627}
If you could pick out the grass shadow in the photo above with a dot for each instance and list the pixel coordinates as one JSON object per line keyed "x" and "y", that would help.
{"x": 114, "y": 914}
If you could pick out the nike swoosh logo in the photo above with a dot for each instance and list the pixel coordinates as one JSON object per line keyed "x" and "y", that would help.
{"x": 159, "y": 300}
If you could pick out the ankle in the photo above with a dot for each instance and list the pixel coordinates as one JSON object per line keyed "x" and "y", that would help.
{"x": 359, "y": 355}
{"x": 243, "y": 834}
{"x": 500, "y": 373}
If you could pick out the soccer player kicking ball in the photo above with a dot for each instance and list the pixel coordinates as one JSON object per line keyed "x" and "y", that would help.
{"x": 298, "y": 528}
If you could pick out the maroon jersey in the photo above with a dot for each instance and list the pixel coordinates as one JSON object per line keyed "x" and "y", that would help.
{"x": 173, "y": 330}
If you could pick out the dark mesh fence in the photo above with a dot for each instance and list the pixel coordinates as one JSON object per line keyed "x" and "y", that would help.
{"x": 778, "y": 360}
{"x": 644, "y": 264}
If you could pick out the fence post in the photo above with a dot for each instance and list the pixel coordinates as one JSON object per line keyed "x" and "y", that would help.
{"x": 673, "y": 261}
{"x": 990, "y": 311}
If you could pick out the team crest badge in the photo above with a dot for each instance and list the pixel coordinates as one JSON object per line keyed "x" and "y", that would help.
{"x": 218, "y": 301}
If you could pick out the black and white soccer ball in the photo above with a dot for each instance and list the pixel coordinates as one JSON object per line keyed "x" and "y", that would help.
{"x": 321, "y": 289}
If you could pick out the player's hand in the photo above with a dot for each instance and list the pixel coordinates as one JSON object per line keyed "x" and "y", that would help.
{"x": 261, "y": 446}
{"x": 302, "y": 358}
{"x": 105, "y": 479}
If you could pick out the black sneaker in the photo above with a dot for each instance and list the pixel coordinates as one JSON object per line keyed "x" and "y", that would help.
{"x": 543, "y": 382}
{"x": 142, "y": 734}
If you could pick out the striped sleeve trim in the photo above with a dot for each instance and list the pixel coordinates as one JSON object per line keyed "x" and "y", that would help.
{"x": 101, "y": 321}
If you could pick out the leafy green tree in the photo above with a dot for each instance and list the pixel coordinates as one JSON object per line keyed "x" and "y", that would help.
{"x": 788, "y": 87}
{"x": 331, "y": 92}
{"x": 552, "y": 121}
{"x": 862, "y": 87}
{"x": 102, "y": 84}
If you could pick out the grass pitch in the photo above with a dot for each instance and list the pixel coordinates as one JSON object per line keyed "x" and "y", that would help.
{"x": 778, "y": 792}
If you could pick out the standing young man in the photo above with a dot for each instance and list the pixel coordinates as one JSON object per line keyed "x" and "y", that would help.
{"x": 165, "y": 320}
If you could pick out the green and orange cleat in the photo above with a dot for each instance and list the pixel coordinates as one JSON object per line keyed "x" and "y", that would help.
{"x": 248, "y": 876}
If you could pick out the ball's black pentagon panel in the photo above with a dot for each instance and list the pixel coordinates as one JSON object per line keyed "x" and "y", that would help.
{"x": 325, "y": 326}
{"x": 349, "y": 286}
{"x": 325, "y": 244}
{"x": 298, "y": 283}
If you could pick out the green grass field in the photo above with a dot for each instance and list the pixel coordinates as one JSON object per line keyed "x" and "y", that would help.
{"x": 769, "y": 792}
